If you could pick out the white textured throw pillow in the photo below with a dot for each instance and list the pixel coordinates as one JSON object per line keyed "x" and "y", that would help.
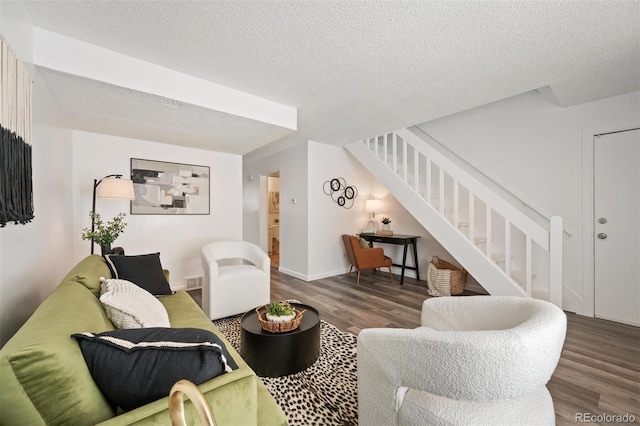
{"x": 130, "y": 306}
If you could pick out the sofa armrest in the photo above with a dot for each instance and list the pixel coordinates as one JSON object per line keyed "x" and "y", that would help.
{"x": 232, "y": 397}
{"x": 459, "y": 365}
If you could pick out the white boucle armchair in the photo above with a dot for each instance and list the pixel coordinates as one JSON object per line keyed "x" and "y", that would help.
{"x": 236, "y": 278}
{"x": 481, "y": 360}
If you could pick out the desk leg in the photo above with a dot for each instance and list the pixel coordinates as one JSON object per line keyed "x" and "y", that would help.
{"x": 404, "y": 263}
{"x": 415, "y": 259}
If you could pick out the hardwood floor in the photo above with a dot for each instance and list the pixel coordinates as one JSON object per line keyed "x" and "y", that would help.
{"x": 598, "y": 372}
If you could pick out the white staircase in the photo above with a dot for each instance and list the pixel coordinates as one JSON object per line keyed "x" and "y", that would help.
{"x": 507, "y": 252}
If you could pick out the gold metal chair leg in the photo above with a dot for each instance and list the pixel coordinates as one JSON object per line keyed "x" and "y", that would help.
{"x": 358, "y": 280}
{"x": 176, "y": 404}
{"x": 390, "y": 274}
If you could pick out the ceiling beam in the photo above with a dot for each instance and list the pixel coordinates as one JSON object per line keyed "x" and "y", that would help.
{"x": 75, "y": 57}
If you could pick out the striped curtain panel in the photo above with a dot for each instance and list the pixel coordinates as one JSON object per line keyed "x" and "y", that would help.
{"x": 16, "y": 189}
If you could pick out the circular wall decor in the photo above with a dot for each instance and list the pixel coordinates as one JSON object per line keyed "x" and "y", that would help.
{"x": 341, "y": 193}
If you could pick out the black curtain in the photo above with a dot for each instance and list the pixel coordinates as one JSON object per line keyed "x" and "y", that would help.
{"x": 16, "y": 189}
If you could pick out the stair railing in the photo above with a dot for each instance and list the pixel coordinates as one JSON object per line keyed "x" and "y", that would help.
{"x": 473, "y": 209}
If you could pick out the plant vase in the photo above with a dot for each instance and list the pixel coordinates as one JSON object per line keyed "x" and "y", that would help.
{"x": 386, "y": 227}
{"x": 106, "y": 249}
{"x": 281, "y": 318}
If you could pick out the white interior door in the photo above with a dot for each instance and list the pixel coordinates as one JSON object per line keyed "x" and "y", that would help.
{"x": 617, "y": 227}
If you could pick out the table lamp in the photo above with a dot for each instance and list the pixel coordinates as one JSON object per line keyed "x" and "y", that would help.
{"x": 370, "y": 206}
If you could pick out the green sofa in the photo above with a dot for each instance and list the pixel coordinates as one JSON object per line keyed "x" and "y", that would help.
{"x": 44, "y": 378}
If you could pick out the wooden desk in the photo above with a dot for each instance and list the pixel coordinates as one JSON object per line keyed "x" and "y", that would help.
{"x": 398, "y": 239}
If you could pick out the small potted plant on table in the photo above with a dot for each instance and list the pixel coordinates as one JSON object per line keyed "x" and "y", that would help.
{"x": 279, "y": 317}
{"x": 280, "y": 312}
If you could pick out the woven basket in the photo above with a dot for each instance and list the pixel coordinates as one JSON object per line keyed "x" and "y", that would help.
{"x": 458, "y": 276}
{"x": 279, "y": 327}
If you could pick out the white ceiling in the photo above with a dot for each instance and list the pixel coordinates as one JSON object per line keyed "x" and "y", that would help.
{"x": 353, "y": 69}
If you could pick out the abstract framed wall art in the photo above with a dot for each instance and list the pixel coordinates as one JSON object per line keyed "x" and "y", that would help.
{"x": 163, "y": 187}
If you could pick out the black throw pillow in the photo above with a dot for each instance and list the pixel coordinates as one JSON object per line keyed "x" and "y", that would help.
{"x": 144, "y": 270}
{"x": 133, "y": 367}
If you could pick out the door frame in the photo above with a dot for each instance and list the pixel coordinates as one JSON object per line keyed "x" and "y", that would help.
{"x": 263, "y": 212}
{"x": 588, "y": 209}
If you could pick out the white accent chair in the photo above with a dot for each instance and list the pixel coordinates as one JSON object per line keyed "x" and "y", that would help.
{"x": 236, "y": 278}
{"x": 482, "y": 360}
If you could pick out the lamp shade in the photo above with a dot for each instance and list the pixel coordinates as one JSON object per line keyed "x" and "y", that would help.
{"x": 116, "y": 188}
{"x": 371, "y": 206}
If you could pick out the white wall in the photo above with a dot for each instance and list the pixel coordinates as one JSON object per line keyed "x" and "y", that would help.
{"x": 35, "y": 257}
{"x": 327, "y": 220}
{"x": 310, "y": 229}
{"x": 292, "y": 165}
{"x": 178, "y": 238}
{"x": 534, "y": 147}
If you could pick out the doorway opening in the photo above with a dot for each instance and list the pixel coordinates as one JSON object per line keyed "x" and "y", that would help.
{"x": 273, "y": 218}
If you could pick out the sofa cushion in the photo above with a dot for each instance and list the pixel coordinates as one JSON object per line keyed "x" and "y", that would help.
{"x": 134, "y": 367}
{"x": 130, "y": 306}
{"x": 144, "y": 270}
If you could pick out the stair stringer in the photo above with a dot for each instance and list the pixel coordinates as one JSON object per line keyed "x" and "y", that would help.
{"x": 486, "y": 272}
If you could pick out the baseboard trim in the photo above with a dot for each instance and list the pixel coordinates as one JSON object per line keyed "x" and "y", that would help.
{"x": 293, "y": 273}
{"x": 395, "y": 269}
{"x": 314, "y": 277}
{"x": 572, "y": 302}
{"x": 618, "y": 320}
{"x": 328, "y": 274}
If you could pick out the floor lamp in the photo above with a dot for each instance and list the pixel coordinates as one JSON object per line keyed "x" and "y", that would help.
{"x": 110, "y": 186}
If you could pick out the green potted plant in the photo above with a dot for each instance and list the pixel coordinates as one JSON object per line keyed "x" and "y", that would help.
{"x": 105, "y": 234}
{"x": 385, "y": 224}
{"x": 280, "y": 312}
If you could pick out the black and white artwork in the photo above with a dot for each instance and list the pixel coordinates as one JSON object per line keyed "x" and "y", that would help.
{"x": 169, "y": 188}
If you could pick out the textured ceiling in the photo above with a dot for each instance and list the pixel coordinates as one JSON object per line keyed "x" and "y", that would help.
{"x": 352, "y": 68}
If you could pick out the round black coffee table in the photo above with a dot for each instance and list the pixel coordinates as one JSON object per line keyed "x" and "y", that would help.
{"x": 280, "y": 354}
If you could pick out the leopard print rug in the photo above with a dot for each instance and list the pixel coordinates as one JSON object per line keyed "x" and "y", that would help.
{"x": 325, "y": 393}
